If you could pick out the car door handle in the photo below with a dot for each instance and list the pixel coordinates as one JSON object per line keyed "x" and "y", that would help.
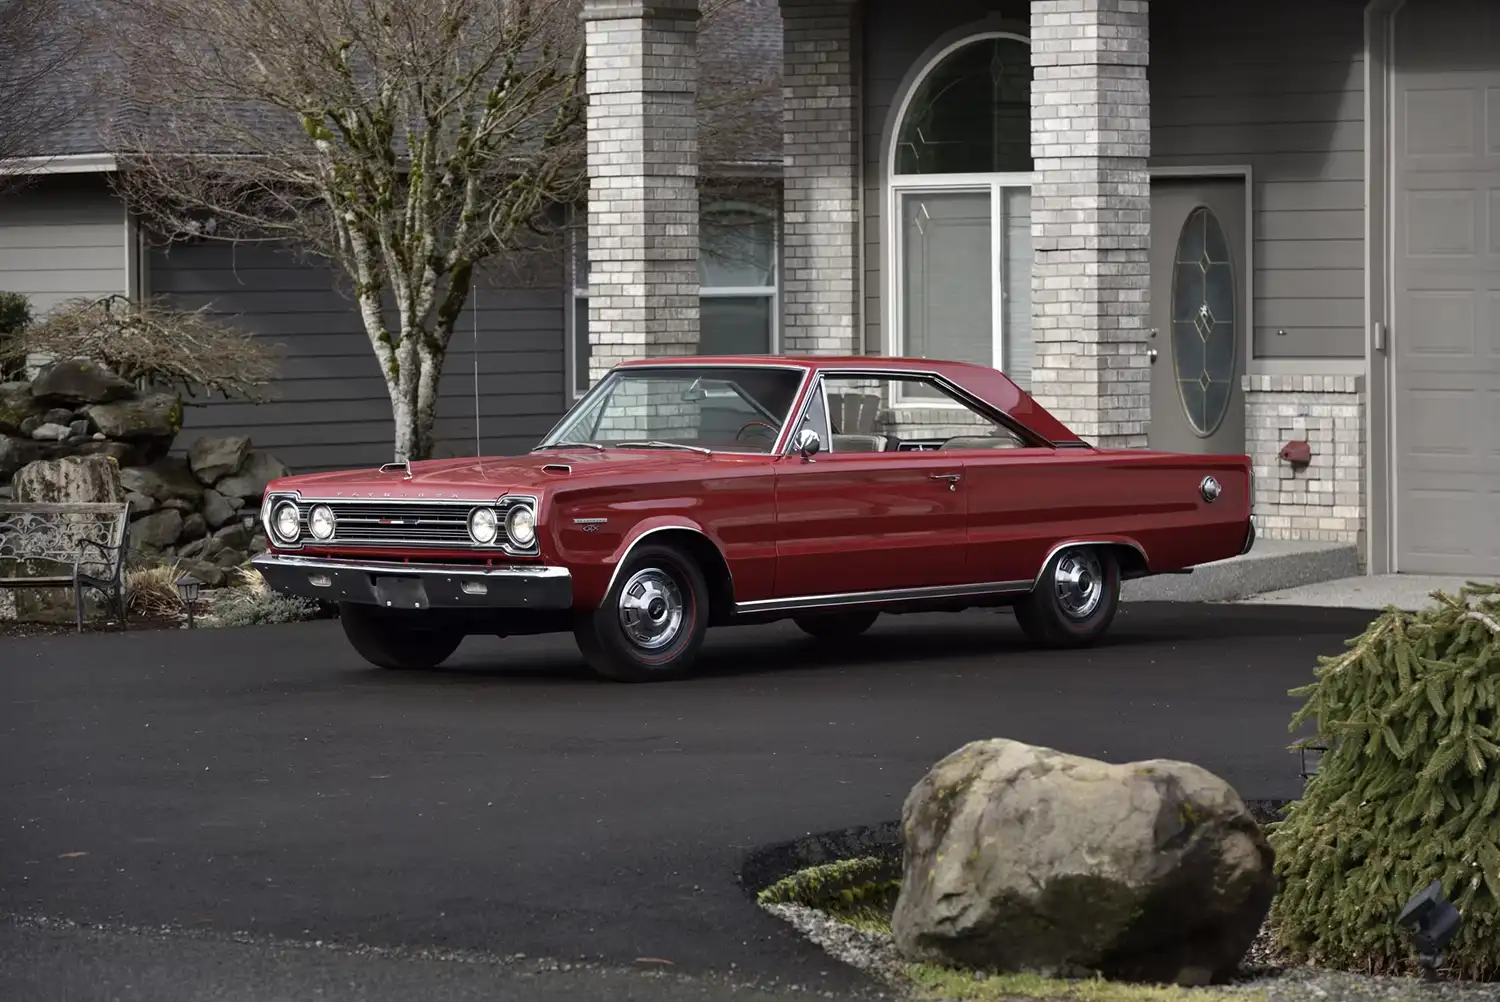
{"x": 952, "y": 478}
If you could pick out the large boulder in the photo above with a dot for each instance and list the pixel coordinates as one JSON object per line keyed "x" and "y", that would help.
{"x": 16, "y": 405}
{"x": 250, "y": 483}
{"x": 217, "y": 510}
{"x": 16, "y": 453}
{"x": 158, "y": 416}
{"x": 70, "y": 479}
{"x": 80, "y": 381}
{"x": 166, "y": 480}
{"x": 213, "y": 459}
{"x": 156, "y": 531}
{"x": 1026, "y": 860}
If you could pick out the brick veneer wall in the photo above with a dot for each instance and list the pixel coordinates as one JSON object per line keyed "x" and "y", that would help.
{"x": 1091, "y": 216}
{"x": 642, "y": 77}
{"x": 820, "y": 229}
{"x": 1325, "y": 500}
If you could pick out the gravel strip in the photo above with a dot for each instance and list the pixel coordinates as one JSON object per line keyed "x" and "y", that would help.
{"x": 875, "y": 953}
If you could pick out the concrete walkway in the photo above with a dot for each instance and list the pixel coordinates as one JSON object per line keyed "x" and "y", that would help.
{"x": 1271, "y": 565}
{"x": 1404, "y": 591}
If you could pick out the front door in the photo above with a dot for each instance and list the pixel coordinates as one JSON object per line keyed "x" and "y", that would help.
{"x": 1198, "y": 309}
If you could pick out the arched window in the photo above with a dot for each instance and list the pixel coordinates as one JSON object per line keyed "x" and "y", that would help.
{"x": 1204, "y": 321}
{"x": 959, "y": 212}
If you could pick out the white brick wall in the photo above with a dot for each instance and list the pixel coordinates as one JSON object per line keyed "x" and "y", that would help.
{"x": 641, "y": 72}
{"x": 821, "y": 200}
{"x": 1326, "y": 499}
{"x": 1091, "y": 216}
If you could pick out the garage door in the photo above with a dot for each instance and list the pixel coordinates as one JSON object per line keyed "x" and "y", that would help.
{"x": 1446, "y": 324}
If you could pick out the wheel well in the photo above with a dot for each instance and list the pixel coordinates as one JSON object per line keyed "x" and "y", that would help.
{"x": 710, "y": 561}
{"x": 1131, "y": 561}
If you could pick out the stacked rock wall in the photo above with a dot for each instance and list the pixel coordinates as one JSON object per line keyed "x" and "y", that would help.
{"x": 190, "y": 508}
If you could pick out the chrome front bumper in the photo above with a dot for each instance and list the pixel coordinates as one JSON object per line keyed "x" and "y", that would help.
{"x": 417, "y": 586}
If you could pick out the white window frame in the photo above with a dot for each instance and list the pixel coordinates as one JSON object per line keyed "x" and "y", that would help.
{"x": 771, "y": 292}
{"x": 899, "y": 185}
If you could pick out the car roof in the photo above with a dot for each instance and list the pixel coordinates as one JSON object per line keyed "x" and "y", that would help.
{"x": 809, "y": 361}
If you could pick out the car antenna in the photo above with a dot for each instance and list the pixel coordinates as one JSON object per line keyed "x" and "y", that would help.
{"x": 474, "y": 298}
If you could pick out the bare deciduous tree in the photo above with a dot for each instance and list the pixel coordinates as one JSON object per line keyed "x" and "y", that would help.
{"x": 405, "y": 140}
{"x": 40, "y": 41}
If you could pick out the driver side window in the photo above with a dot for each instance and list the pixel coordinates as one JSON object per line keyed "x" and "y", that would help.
{"x": 865, "y": 413}
{"x": 816, "y": 418}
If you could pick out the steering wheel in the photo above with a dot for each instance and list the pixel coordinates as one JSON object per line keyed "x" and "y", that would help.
{"x": 755, "y": 423}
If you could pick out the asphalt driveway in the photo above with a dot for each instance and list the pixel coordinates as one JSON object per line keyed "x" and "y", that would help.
{"x": 267, "y": 782}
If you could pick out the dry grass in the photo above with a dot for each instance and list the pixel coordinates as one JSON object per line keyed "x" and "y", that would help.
{"x": 151, "y": 592}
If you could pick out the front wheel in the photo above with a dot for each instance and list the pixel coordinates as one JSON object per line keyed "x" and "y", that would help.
{"x": 1075, "y": 599}
{"x": 398, "y": 641}
{"x": 650, "y": 626}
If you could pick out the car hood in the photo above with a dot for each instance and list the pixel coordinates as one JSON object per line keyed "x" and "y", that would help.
{"x": 485, "y": 477}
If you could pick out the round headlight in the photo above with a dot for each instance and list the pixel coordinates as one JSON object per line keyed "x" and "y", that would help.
{"x": 483, "y": 526}
{"x": 320, "y": 522}
{"x": 286, "y": 522}
{"x": 520, "y": 525}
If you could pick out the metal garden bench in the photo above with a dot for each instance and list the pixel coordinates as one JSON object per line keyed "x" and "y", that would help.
{"x": 77, "y": 546}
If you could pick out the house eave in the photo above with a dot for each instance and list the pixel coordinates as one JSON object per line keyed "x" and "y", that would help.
{"x": 65, "y": 163}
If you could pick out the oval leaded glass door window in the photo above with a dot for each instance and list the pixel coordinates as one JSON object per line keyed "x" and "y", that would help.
{"x": 1205, "y": 319}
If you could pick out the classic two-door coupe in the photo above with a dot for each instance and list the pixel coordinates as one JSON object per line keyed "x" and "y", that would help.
{"x": 685, "y": 493}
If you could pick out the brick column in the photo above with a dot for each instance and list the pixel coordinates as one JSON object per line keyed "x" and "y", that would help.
{"x": 1091, "y": 216}
{"x": 642, "y": 78}
{"x": 820, "y": 280}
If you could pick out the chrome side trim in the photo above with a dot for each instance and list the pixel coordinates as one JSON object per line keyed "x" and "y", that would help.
{"x": 883, "y": 597}
{"x": 1089, "y": 542}
{"x": 625, "y": 557}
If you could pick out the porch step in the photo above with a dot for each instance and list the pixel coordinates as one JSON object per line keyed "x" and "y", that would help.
{"x": 1272, "y": 565}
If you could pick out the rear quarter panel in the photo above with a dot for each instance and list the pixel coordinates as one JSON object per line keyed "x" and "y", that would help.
{"x": 589, "y": 528}
{"x": 1024, "y": 503}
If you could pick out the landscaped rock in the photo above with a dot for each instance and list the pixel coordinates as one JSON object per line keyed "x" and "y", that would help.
{"x": 16, "y": 453}
{"x": 16, "y": 405}
{"x": 158, "y": 416}
{"x": 79, "y": 381}
{"x": 123, "y": 453}
{"x": 217, "y": 511}
{"x": 193, "y": 527}
{"x": 213, "y": 459}
{"x": 209, "y": 575}
{"x": 140, "y": 504}
{"x": 70, "y": 479}
{"x": 79, "y": 429}
{"x": 31, "y": 424}
{"x": 49, "y": 432}
{"x": 166, "y": 480}
{"x": 156, "y": 531}
{"x": 235, "y": 536}
{"x": 259, "y": 470}
{"x": 1027, "y": 860}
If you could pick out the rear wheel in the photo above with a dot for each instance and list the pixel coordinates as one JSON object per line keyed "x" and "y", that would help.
{"x": 837, "y": 625}
{"x": 1075, "y": 599}
{"x": 650, "y": 626}
{"x": 399, "y": 641}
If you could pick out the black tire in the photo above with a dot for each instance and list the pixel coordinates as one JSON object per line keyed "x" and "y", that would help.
{"x": 1064, "y": 613}
{"x": 662, "y": 592}
{"x": 833, "y": 626}
{"x": 399, "y": 641}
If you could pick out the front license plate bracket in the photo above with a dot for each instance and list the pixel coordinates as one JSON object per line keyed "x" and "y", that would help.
{"x": 401, "y": 592}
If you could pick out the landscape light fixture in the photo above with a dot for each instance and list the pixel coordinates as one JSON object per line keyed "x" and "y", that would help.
{"x": 187, "y": 590}
{"x": 1432, "y": 921}
{"x": 1316, "y": 759}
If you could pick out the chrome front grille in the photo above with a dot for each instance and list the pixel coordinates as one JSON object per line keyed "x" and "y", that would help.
{"x": 416, "y": 523}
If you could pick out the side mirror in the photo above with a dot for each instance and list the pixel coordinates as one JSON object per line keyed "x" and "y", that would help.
{"x": 808, "y": 443}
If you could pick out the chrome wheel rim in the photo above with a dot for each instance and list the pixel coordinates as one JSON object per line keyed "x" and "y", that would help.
{"x": 1079, "y": 582}
{"x": 651, "y": 609}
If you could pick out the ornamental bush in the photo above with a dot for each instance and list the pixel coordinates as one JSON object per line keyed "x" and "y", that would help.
{"x": 15, "y": 315}
{"x": 1406, "y": 793}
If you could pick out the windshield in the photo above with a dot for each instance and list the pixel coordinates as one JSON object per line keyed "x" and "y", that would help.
{"x": 723, "y": 409}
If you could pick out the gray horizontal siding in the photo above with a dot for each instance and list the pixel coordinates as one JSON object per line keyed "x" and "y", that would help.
{"x": 331, "y": 409}
{"x": 1278, "y": 85}
{"x": 61, "y": 238}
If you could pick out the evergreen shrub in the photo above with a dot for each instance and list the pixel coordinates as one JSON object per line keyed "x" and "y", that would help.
{"x": 1406, "y": 793}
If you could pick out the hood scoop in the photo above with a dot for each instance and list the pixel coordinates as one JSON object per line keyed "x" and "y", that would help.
{"x": 560, "y": 469}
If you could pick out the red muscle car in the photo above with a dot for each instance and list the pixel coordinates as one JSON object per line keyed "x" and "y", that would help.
{"x": 685, "y": 493}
